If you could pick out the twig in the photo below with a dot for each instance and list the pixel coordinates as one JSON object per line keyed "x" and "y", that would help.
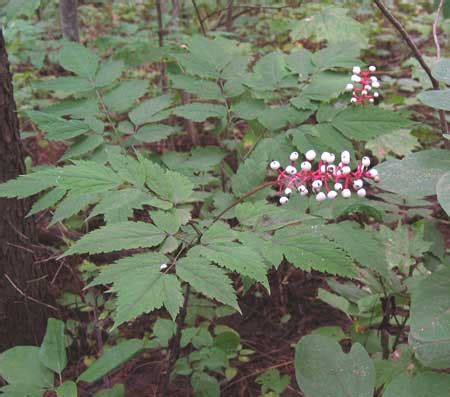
{"x": 200, "y": 20}
{"x": 164, "y": 84}
{"x": 242, "y": 198}
{"x": 394, "y": 21}
{"x": 435, "y": 25}
{"x": 246, "y": 7}
{"x": 29, "y": 297}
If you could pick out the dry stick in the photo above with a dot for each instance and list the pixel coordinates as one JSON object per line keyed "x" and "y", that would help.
{"x": 394, "y": 21}
{"x": 200, "y": 20}
{"x": 435, "y": 25}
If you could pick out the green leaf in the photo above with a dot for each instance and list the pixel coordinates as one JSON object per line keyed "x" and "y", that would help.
{"x": 248, "y": 108}
{"x": 300, "y": 61}
{"x": 205, "y": 385}
{"x": 236, "y": 257}
{"x": 52, "y": 352}
{"x": 21, "y": 390}
{"x": 424, "y": 384}
{"x": 438, "y": 99}
{"x": 429, "y": 335}
{"x": 417, "y": 174}
{"x": 109, "y": 72}
{"x": 204, "y": 89}
{"x": 361, "y": 244}
{"x": 269, "y": 72}
{"x": 124, "y": 96}
{"x": 79, "y": 60}
{"x": 146, "y": 111}
{"x": 367, "y": 122}
{"x": 443, "y": 192}
{"x": 47, "y": 200}
{"x": 441, "y": 70}
{"x": 312, "y": 252}
{"x": 277, "y": 117}
{"x": 85, "y": 145}
{"x": 207, "y": 279}
{"x": 128, "y": 168}
{"x": 151, "y": 288}
{"x": 118, "y": 236}
{"x": 271, "y": 380}
{"x": 154, "y": 133}
{"x": 199, "y": 112}
{"x": 117, "y": 391}
{"x": 67, "y": 389}
{"x": 325, "y": 86}
{"x": 111, "y": 359}
{"x": 57, "y": 128}
{"x": 400, "y": 142}
{"x": 71, "y": 205}
{"x": 168, "y": 221}
{"x": 319, "y": 358}
{"x": 21, "y": 366}
{"x": 64, "y": 86}
{"x": 250, "y": 174}
{"x": 338, "y": 55}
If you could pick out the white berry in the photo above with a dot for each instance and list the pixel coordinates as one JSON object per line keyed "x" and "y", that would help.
{"x": 293, "y": 156}
{"x": 371, "y": 100}
{"x": 302, "y": 188}
{"x": 163, "y": 266}
{"x": 332, "y": 194}
{"x": 338, "y": 186}
{"x": 321, "y": 196}
{"x": 363, "y": 92}
{"x": 367, "y": 87}
{"x": 345, "y": 157}
{"x": 304, "y": 192}
{"x": 373, "y": 78}
{"x": 358, "y": 184}
{"x": 291, "y": 170}
{"x": 356, "y": 78}
{"x": 376, "y": 84}
{"x": 353, "y": 100}
{"x": 310, "y": 155}
{"x": 346, "y": 193}
{"x": 365, "y": 161}
{"x": 376, "y": 94}
{"x": 361, "y": 192}
{"x": 372, "y": 68}
{"x": 349, "y": 87}
{"x": 373, "y": 172}
{"x": 325, "y": 156}
{"x": 305, "y": 166}
{"x": 346, "y": 170}
{"x": 287, "y": 191}
{"x": 323, "y": 168}
{"x": 331, "y": 158}
{"x": 317, "y": 184}
{"x": 356, "y": 70}
{"x": 274, "y": 165}
{"x": 283, "y": 200}
{"x": 331, "y": 168}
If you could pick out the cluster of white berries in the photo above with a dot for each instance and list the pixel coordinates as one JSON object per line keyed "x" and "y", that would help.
{"x": 333, "y": 178}
{"x": 366, "y": 82}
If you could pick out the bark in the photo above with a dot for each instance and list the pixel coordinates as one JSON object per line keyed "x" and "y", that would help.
{"x": 23, "y": 321}
{"x": 69, "y": 19}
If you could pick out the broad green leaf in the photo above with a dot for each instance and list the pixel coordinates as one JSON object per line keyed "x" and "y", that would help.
{"x": 271, "y": 380}
{"x": 276, "y": 117}
{"x": 250, "y": 174}
{"x": 331, "y": 24}
{"x": 145, "y": 111}
{"x": 85, "y": 145}
{"x": 109, "y": 72}
{"x": 205, "y": 385}
{"x": 204, "y": 89}
{"x": 169, "y": 221}
{"x": 441, "y": 70}
{"x": 248, "y": 108}
{"x": 67, "y": 389}
{"x": 201, "y": 159}
{"x": 78, "y": 59}
{"x": 322, "y": 369}
{"x": 21, "y": 365}
{"x": 77, "y": 108}
{"x": 429, "y": 335}
{"x": 309, "y": 251}
{"x": 111, "y": 359}
{"x": 207, "y": 279}
{"x": 117, "y": 391}
{"x": 443, "y": 192}
{"x": 400, "y": 143}
{"x": 366, "y": 122}
{"x": 52, "y": 352}
{"x": 300, "y": 61}
{"x": 64, "y": 86}
{"x": 118, "y": 236}
{"x": 154, "y": 132}
{"x": 199, "y": 112}
{"x": 361, "y": 244}
{"x": 438, "y": 99}
{"x": 269, "y": 72}
{"x": 325, "y": 86}
{"x": 338, "y": 55}
{"x": 236, "y": 257}
{"x": 151, "y": 288}
{"x": 72, "y": 204}
{"x": 417, "y": 174}
{"x": 21, "y": 390}
{"x": 124, "y": 96}
{"x": 57, "y": 128}
{"x": 424, "y": 384}
{"x": 128, "y": 168}
{"x": 47, "y": 200}
{"x": 28, "y": 185}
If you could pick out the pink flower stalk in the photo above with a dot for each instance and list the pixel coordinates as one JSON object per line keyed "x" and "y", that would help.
{"x": 326, "y": 180}
{"x": 363, "y": 85}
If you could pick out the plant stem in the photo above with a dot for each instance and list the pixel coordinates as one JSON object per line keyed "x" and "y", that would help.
{"x": 161, "y": 45}
{"x": 200, "y": 20}
{"x": 435, "y": 25}
{"x": 395, "y": 22}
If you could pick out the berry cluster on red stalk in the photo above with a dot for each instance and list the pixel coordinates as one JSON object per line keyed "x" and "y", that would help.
{"x": 327, "y": 180}
{"x": 363, "y": 85}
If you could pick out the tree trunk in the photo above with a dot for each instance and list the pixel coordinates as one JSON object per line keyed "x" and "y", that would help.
{"x": 23, "y": 321}
{"x": 69, "y": 19}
